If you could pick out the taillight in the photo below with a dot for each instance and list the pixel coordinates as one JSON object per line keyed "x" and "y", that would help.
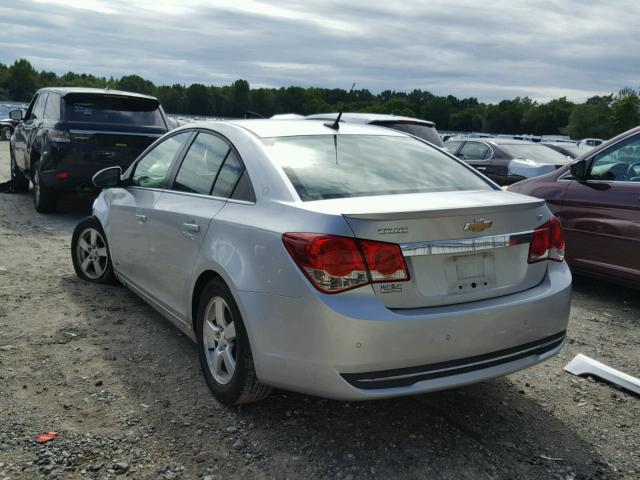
{"x": 60, "y": 136}
{"x": 547, "y": 242}
{"x": 385, "y": 261}
{"x": 334, "y": 263}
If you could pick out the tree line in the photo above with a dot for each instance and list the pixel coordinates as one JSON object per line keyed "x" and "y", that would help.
{"x": 600, "y": 116}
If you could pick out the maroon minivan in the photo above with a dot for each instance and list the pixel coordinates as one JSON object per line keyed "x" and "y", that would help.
{"x": 597, "y": 199}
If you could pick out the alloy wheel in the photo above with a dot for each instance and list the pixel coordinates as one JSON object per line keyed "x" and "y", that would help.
{"x": 219, "y": 339}
{"x": 93, "y": 256}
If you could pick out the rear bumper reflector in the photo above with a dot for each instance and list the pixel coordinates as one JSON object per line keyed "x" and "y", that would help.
{"x": 465, "y": 245}
{"x": 404, "y": 377}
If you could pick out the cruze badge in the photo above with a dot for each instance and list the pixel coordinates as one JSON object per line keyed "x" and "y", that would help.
{"x": 478, "y": 225}
{"x": 389, "y": 231}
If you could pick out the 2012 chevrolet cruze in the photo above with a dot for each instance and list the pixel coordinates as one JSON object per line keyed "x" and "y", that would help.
{"x": 341, "y": 260}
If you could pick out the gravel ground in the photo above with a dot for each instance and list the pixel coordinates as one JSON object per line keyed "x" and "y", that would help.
{"x": 123, "y": 390}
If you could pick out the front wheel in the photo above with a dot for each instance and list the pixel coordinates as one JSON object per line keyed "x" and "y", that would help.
{"x": 224, "y": 350}
{"x": 90, "y": 252}
{"x": 45, "y": 200}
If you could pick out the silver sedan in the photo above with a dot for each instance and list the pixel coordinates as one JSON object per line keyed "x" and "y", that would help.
{"x": 346, "y": 261}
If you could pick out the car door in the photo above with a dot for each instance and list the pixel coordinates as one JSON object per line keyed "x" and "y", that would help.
{"x": 22, "y": 132}
{"x": 478, "y": 155}
{"x": 601, "y": 215}
{"x": 131, "y": 210}
{"x": 200, "y": 187}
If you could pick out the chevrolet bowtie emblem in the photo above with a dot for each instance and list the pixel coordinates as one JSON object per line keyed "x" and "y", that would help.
{"x": 478, "y": 225}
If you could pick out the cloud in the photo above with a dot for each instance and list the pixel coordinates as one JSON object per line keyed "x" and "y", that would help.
{"x": 490, "y": 50}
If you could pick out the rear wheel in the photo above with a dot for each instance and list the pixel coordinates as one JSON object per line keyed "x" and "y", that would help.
{"x": 45, "y": 200}
{"x": 19, "y": 182}
{"x": 224, "y": 350}
{"x": 90, "y": 252}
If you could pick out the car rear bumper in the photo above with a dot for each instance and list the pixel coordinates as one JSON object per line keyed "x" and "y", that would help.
{"x": 350, "y": 347}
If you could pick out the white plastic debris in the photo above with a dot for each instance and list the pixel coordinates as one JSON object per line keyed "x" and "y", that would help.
{"x": 583, "y": 365}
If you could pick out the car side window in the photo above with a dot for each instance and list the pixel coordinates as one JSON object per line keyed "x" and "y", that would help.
{"x": 452, "y": 147}
{"x": 475, "y": 151}
{"x": 52, "y": 110}
{"x": 229, "y": 175}
{"x": 619, "y": 163}
{"x": 201, "y": 164}
{"x": 152, "y": 169}
{"x": 38, "y": 109}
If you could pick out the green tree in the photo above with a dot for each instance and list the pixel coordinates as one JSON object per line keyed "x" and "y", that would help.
{"x": 21, "y": 83}
{"x": 135, "y": 83}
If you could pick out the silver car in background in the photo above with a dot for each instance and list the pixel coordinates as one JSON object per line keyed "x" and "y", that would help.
{"x": 351, "y": 261}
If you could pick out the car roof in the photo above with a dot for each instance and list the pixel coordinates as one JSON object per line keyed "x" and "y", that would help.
{"x": 63, "y": 91}
{"x": 289, "y": 128}
{"x": 367, "y": 118}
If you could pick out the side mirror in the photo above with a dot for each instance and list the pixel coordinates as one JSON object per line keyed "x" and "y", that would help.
{"x": 579, "y": 170}
{"x": 16, "y": 115}
{"x": 108, "y": 178}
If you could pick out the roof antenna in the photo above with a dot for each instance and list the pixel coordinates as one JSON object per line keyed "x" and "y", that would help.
{"x": 249, "y": 113}
{"x": 336, "y": 125}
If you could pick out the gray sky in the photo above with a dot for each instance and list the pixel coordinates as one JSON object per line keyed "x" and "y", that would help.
{"x": 488, "y": 49}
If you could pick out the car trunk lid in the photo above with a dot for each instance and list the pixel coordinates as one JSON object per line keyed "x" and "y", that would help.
{"x": 459, "y": 246}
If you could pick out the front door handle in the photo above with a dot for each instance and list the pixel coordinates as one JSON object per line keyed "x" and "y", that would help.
{"x": 141, "y": 218}
{"x": 191, "y": 227}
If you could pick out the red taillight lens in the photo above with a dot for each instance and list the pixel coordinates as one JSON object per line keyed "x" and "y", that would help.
{"x": 385, "y": 261}
{"x": 62, "y": 175}
{"x": 332, "y": 263}
{"x": 547, "y": 242}
{"x": 335, "y": 264}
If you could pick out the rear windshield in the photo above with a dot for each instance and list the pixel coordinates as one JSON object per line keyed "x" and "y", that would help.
{"x": 535, "y": 151}
{"x": 419, "y": 130}
{"x": 113, "y": 110}
{"x": 339, "y": 166}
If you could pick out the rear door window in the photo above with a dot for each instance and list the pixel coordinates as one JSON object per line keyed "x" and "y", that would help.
{"x": 38, "y": 109}
{"x": 228, "y": 177}
{"x": 52, "y": 110}
{"x": 475, "y": 151}
{"x": 113, "y": 109}
{"x": 201, "y": 165}
{"x": 151, "y": 170}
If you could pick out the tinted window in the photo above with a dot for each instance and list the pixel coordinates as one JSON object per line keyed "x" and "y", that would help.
{"x": 335, "y": 166}
{"x": 201, "y": 164}
{"x": 475, "y": 151}
{"x": 228, "y": 176}
{"x": 152, "y": 169}
{"x": 52, "y": 110}
{"x": 244, "y": 189}
{"x": 419, "y": 130}
{"x": 38, "y": 108}
{"x": 619, "y": 163}
{"x": 112, "y": 109}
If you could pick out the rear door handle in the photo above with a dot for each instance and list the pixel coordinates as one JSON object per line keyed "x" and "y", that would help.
{"x": 141, "y": 218}
{"x": 191, "y": 227}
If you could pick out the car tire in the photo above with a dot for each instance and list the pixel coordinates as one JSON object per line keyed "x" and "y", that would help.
{"x": 45, "y": 200}
{"x": 19, "y": 182}
{"x": 224, "y": 350}
{"x": 5, "y": 133}
{"x": 90, "y": 252}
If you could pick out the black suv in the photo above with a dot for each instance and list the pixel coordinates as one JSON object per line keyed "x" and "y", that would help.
{"x": 68, "y": 134}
